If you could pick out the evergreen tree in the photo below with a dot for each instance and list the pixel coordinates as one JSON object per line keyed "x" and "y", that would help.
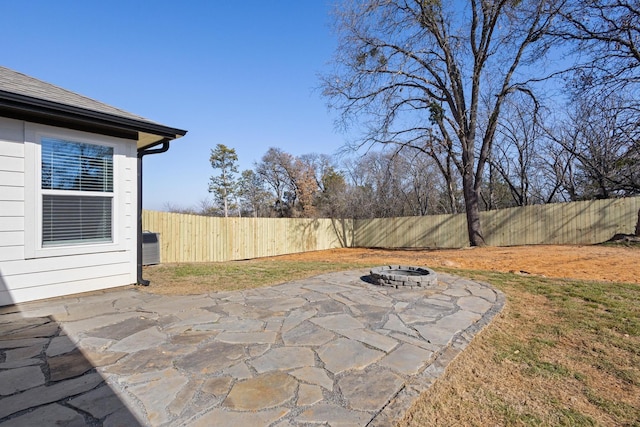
{"x": 224, "y": 185}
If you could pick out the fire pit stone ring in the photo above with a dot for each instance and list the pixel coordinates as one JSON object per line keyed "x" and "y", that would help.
{"x": 397, "y": 276}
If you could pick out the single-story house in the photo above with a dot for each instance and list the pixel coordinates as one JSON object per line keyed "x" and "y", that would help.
{"x": 70, "y": 190}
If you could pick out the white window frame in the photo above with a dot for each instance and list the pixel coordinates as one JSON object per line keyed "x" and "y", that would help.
{"x": 33, "y": 192}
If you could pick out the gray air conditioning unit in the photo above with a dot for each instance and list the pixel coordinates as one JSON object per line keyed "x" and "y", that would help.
{"x": 150, "y": 248}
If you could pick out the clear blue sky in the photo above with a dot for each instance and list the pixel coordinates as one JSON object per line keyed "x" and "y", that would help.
{"x": 239, "y": 73}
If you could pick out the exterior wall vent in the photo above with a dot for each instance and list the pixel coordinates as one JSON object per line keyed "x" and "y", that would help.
{"x": 150, "y": 248}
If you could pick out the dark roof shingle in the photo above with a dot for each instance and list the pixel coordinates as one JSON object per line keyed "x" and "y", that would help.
{"x": 21, "y": 84}
{"x": 20, "y": 92}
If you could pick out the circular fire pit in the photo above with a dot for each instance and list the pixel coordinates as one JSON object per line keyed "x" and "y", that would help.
{"x": 398, "y": 275}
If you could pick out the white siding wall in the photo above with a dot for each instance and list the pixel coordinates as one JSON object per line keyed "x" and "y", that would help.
{"x": 24, "y": 279}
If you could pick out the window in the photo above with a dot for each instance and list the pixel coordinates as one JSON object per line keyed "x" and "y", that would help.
{"x": 80, "y": 193}
{"x": 77, "y": 193}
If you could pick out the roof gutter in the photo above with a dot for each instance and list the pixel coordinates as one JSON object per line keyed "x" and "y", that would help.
{"x": 154, "y": 135}
{"x": 23, "y": 105}
{"x": 141, "y": 153}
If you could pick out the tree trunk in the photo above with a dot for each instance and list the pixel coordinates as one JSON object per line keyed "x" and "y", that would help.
{"x": 452, "y": 197}
{"x": 473, "y": 212}
{"x": 638, "y": 225}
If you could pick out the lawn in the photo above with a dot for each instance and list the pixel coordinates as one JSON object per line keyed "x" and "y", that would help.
{"x": 562, "y": 352}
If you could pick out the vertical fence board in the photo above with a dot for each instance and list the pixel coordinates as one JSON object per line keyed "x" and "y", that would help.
{"x": 191, "y": 238}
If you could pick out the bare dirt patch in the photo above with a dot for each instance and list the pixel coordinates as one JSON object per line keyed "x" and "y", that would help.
{"x": 612, "y": 264}
{"x": 562, "y": 352}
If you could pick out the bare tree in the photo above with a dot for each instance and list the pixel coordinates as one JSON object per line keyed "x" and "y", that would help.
{"x": 371, "y": 191}
{"x": 203, "y": 207}
{"x": 253, "y": 196}
{"x": 419, "y": 183}
{"x": 293, "y": 180}
{"x": 327, "y": 188}
{"x": 319, "y": 164}
{"x": 602, "y": 139}
{"x": 391, "y": 184}
{"x": 332, "y": 201}
{"x": 412, "y": 67}
{"x": 443, "y": 154}
{"x": 360, "y": 200}
{"x": 607, "y": 34}
{"x": 274, "y": 170}
{"x": 515, "y": 157}
{"x": 557, "y": 166}
{"x": 174, "y": 208}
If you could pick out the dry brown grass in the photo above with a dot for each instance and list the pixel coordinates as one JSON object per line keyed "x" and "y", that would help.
{"x": 562, "y": 352}
{"x": 614, "y": 264}
{"x": 533, "y": 367}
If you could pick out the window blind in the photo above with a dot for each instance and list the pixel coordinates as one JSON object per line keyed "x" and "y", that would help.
{"x": 77, "y": 192}
{"x": 75, "y": 219}
{"x": 76, "y": 166}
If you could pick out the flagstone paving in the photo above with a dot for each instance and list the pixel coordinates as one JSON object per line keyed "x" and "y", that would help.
{"x": 333, "y": 350}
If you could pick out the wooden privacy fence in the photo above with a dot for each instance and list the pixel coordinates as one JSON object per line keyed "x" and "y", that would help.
{"x": 192, "y": 238}
{"x": 586, "y": 222}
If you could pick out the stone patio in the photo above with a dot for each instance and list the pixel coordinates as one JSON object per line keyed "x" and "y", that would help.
{"x": 333, "y": 350}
